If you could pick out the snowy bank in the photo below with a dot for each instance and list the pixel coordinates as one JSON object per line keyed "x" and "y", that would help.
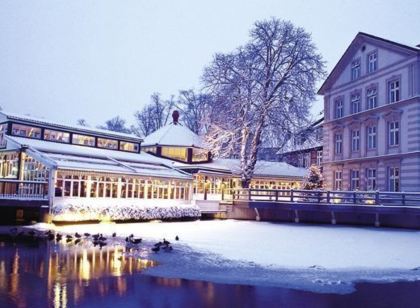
{"x": 74, "y": 212}
{"x": 318, "y": 258}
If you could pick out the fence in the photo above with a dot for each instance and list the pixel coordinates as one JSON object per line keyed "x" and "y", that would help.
{"x": 15, "y": 189}
{"x": 329, "y": 197}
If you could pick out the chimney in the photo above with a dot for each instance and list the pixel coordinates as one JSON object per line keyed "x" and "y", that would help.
{"x": 175, "y": 117}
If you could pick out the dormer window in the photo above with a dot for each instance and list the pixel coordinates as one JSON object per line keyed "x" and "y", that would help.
{"x": 355, "y": 69}
{"x": 26, "y": 131}
{"x": 83, "y": 140}
{"x": 57, "y": 136}
{"x": 107, "y": 144}
{"x": 372, "y": 62}
{"x": 129, "y": 146}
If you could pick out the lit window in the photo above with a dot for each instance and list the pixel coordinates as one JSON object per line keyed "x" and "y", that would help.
{"x": 339, "y": 112}
{"x": 83, "y": 140}
{"x": 372, "y": 98}
{"x": 129, "y": 146}
{"x": 393, "y": 133}
{"x": 394, "y": 178}
{"x": 107, "y": 144}
{"x": 354, "y": 180}
{"x": 371, "y": 178}
{"x": 26, "y": 131}
{"x": 372, "y": 60}
{"x": 355, "y": 103}
{"x": 338, "y": 180}
{"x": 53, "y": 135}
{"x": 371, "y": 137}
{"x": 355, "y": 140}
{"x": 199, "y": 155}
{"x": 355, "y": 69}
{"x": 175, "y": 153}
{"x": 338, "y": 143}
{"x": 393, "y": 91}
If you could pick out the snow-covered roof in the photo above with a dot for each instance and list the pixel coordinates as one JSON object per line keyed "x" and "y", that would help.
{"x": 78, "y": 128}
{"x": 262, "y": 168}
{"x": 76, "y": 157}
{"x": 174, "y": 135}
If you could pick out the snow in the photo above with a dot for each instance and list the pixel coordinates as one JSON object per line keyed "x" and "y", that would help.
{"x": 76, "y": 157}
{"x": 262, "y": 168}
{"x": 319, "y": 258}
{"x": 174, "y": 135}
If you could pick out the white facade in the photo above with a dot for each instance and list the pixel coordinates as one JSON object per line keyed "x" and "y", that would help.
{"x": 372, "y": 118}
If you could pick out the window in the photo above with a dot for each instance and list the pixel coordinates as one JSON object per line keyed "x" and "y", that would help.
{"x": 393, "y": 91}
{"x": 339, "y": 112}
{"x": 394, "y": 179}
{"x": 371, "y": 137}
{"x": 26, "y": 131}
{"x": 393, "y": 133}
{"x": 355, "y": 103}
{"x": 371, "y": 179}
{"x": 3, "y": 130}
{"x": 319, "y": 157}
{"x": 318, "y": 134}
{"x": 372, "y": 98}
{"x": 355, "y": 140}
{"x": 107, "y": 144}
{"x": 83, "y": 140}
{"x": 53, "y": 135}
{"x": 354, "y": 180}
{"x": 355, "y": 69}
{"x": 304, "y": 160}
{"x": 199, "y": 155}
{"x": 338, "y": 180}
{"x": 175, "y": 153}
{"x": 129, "y": 146}
{"x": 338, "y": 143}
{"x": 372, "y": 62}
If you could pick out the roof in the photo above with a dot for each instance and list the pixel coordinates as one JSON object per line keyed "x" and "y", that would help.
{"x": 360, "y": 38}
{"x": 262, "y": 168}
{"x": 77, "y": 128}
{"x": 81, "y": 158}
{"x": 174, "y": 135}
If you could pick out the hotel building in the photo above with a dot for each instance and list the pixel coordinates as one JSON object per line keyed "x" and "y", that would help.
{"x": 372, "y": 117}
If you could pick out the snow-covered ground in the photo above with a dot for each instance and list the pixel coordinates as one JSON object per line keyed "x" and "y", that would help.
{"x": 321, "y": 258}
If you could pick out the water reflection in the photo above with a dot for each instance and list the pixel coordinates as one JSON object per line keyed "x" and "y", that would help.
{"x": 52, "y": 267}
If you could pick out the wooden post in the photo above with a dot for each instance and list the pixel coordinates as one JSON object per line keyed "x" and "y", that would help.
{"x": 249, "y": 194}
{"x": 403, "y": 198}
{"x": 377, "y": 198}
{"x": 277, "y": 195}
{"x": 328, "y": 197}
{"x": 354, "y": 197}
{"x": 291, "y": 195}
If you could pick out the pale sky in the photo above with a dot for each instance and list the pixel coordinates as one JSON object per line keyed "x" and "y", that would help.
{"x": 66, "y": 60}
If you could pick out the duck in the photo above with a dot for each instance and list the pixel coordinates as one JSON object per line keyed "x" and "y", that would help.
{"x": 114, "y": 234}
{"x": 177, "y": 238}
{"x": 136, "y": 240}
{"x": 77, "y": 235}
{"x": 156, "y": 249}
{"x": 166, "y": 242}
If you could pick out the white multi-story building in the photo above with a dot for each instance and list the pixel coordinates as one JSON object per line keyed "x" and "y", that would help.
{"x": 372, "y": 117}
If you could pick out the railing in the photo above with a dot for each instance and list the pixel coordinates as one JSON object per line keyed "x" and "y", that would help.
{"x": 329, "y": 197}
{"x": 15, "y": 189}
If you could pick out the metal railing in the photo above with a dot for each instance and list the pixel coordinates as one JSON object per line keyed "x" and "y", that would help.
{"x": 16, "y": 189}
{"x": 329, "y": 197}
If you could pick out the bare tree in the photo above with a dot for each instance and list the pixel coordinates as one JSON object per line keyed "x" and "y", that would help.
{"x": 154, "y": 115}
{"x": 116, "y": 124}
{"x": 194, "y": 108}
{"x": 266, "y": 87}
{"x": 82, "y": 122}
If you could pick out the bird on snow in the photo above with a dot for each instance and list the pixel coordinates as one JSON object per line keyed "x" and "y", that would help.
{"x": 177, "y": 238}
{"x": 114, "y": 234}
{"x": 156, "y": 248}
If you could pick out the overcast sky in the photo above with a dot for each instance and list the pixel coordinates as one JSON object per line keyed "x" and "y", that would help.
{"x": 74, "y": 59}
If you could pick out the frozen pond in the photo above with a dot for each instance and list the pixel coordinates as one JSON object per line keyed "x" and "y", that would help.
{"x": 309, "y": 257}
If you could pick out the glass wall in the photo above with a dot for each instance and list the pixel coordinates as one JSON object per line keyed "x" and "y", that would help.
{"x": 129, "y": 146}
{"x": 107, "y": 144}
{"x": 34, "y": 170}
{"x": 106, "y": 186}
{"x": 54, "y": 135}
{"x": 83, "y": 140}
{"x": 26, "y": 131}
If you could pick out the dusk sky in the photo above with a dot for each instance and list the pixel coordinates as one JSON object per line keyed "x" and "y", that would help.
{"x": 66, "y": 60}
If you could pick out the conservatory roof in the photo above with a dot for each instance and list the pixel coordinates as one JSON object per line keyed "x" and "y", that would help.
{"x": 174, "y": 134}
{"x": 262, "y": 168}
{"x": 76, "y": 128}
{"x": 81, "y": 158}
